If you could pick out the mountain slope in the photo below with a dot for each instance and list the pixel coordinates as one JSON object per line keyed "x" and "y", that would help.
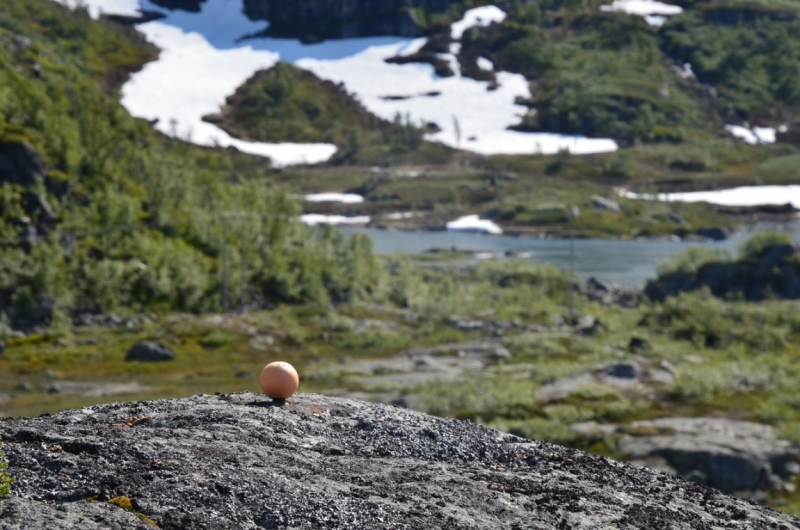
{"x": 98, "y": 211}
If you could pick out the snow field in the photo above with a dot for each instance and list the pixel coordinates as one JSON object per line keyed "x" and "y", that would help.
{"x": 345, "y": 198}
{"x": 654, "y": 13}
{"x": 742, "y": 196}
{"x": 204, "y": 60}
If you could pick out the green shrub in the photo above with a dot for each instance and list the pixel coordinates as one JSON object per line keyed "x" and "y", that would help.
{"x": 690, "y": 260}
{"x": 215, "y": 339}
{"x": 754, "y": 247}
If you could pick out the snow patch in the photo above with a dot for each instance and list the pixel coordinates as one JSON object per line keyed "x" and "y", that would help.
{"x": 655, "y": 20}
{"x": 485, "y": 64}
{"x": 742, "y": 196}
{"x": 314, "y": 219}
{"x": 413, "y": 47}
{"x": 643, "y": 8}
{"x": 480, "y": 16}
{"x": 473, "y": 223}
{"x": 756, "y": 135}
{"x": 654, "y": 13}
{"x": 346, "y": 198}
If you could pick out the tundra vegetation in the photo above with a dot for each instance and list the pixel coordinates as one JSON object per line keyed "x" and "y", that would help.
{"x": 104, "y": 216}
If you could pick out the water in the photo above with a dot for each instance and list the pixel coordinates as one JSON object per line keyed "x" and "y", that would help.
{"x": 629, "y": 262}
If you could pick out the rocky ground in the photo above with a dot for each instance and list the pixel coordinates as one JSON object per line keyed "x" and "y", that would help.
{"x": 242, "y": 461}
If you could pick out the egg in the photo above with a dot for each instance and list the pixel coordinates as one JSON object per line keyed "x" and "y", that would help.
{"x": 279, "y": 380}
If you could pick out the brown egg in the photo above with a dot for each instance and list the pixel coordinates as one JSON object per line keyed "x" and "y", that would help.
{"x": 279, "y": 380}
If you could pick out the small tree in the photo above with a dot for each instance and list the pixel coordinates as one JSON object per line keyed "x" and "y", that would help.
{"x": 5, "y": 478}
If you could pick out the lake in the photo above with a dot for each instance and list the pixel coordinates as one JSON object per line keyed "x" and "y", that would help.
{"x": 622, "y": 261}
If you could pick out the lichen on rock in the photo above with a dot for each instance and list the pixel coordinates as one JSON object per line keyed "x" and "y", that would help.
{"x": 242, "y": 461}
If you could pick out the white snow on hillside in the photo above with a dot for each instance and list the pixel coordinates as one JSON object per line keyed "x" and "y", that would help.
{"x": 473, "y": 223}
{"x": 203, "y": 60}
{"x": 344, "y": 198}
{"x": 742, "y": 196}
{"x": 314, "y": 219}
{"x": 480, "y": 16}
{"x": 756, "y": 135}
{"x": 654, "y": 13}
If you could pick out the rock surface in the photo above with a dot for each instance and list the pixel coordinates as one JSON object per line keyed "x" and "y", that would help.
{"x": 634, "y": 379}
{"x": 775, "y": 274}
{"x": 151, "y": 352}
{"x": 241, "y": 461}
{"x": 734, "y": 456}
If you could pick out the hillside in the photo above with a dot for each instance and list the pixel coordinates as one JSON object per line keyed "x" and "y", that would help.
{"x": 241, "y": 461}
{"x": 286, "y": 103}
{"x": 597, "y": 70}
{"x": 98, "y": 211}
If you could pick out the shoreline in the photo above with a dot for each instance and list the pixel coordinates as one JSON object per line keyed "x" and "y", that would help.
{"x": 563, "y": 233}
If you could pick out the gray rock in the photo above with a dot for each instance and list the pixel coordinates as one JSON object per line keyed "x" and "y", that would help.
{"x": 484, "y": 351}
{"x": 609, "y": 293}
{"x": 26, "y": 514}
{"x": 21, "y": 165}
{"x": 770, "y": 275}
{"x": 635, "y": 379}
{"x": 466, "y": 323}
{"x": 773, "y": 256}
{"x": 587, "y": 325}
{"x": 716, "y": 233}
{"x": 733, "y": 456}
{"x": 242, "y": 461}
{"x": 605, "y": 204}
{"x": 151, "y": 352}
{"x": 628, "y": 370}
{"x": 638, "y": 344}
{"x": 676, "y": 218}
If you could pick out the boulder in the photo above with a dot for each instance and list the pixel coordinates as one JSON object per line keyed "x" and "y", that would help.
{"x": 635, "y": 379}
{"x": 21, "y": 165}
{"x": 605, "y": 204}
{"x": 587, "y": 325}
{"x": 773, "y": 274}
{"x": 610, "y": 293}
{"x": 243, "y": 461}
{"x": 150, "y": 352}
{"x": 715, "y": 233}
{"x": 733, "y": 456}
{"x": 773, "y": 256}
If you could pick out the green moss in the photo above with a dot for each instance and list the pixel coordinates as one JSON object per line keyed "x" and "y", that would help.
{"x": 5, "y": 479}
{"x": 123, "y": 502}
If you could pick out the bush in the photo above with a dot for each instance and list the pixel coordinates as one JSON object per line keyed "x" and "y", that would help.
{"x": 756, "y": 245}
{"x": 690, "y": 260}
